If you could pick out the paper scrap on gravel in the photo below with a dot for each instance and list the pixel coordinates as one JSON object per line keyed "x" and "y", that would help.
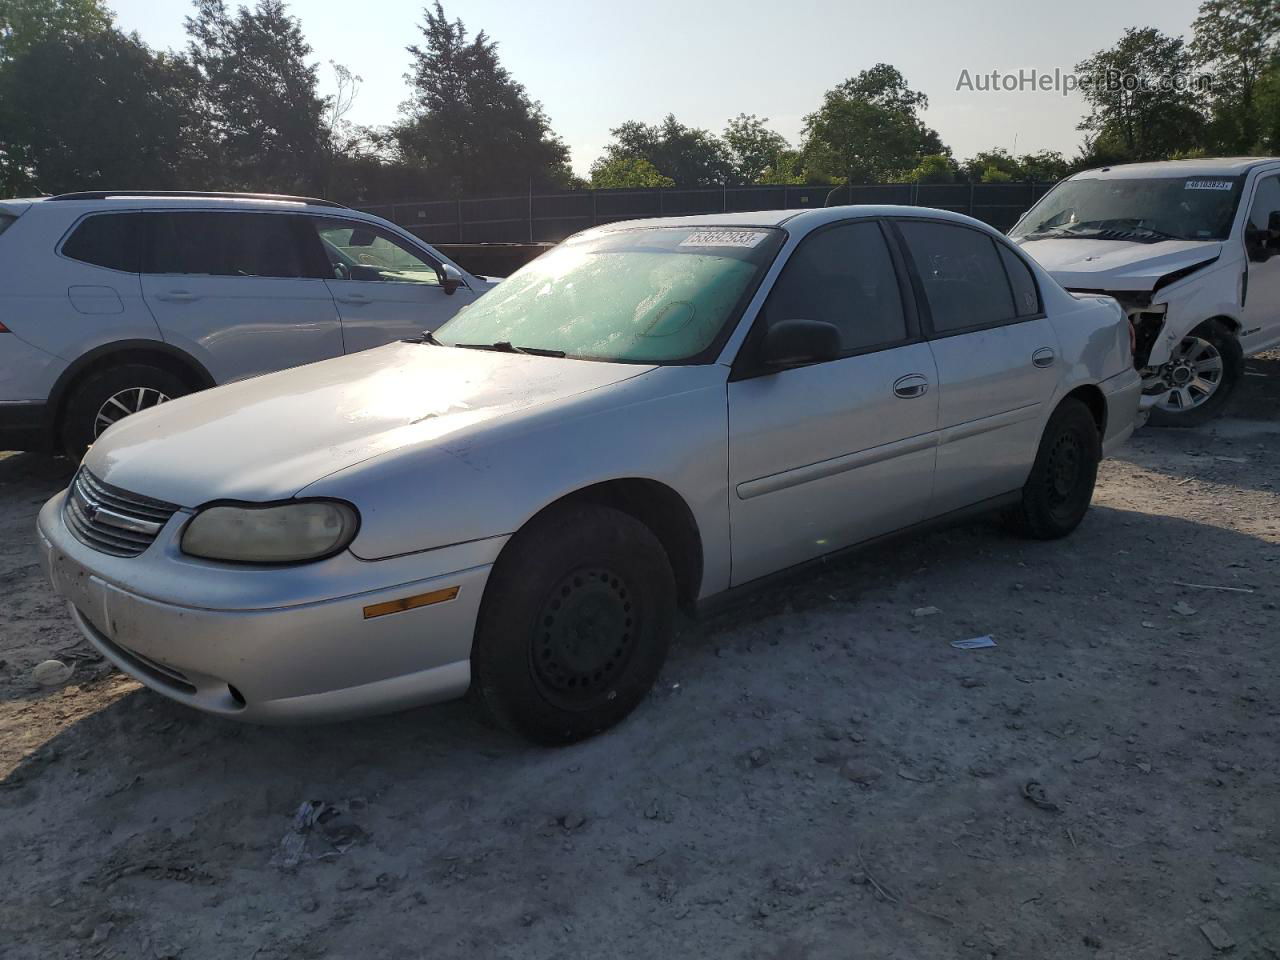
{"x": 977, "y": 643}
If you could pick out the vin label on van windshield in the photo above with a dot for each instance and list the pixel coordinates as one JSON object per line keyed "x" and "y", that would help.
{"x": 1209, "y": 184}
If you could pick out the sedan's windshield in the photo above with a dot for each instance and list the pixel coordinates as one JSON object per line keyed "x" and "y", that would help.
{"x": 642, "y": 295}
{"x": 1146, "y": 210}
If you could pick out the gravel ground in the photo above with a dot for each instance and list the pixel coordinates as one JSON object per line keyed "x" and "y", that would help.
{"x": 818, "y": 774}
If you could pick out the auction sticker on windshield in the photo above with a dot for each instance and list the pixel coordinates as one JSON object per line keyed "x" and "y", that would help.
{"x": 724, "y": 238}
{"x": 1209, "y": 185}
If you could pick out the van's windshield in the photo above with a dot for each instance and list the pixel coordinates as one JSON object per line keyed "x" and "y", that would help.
{"x": 640, "y": 295}
{"x": 1141, "y": 210}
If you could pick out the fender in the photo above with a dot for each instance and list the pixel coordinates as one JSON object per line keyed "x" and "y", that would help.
{"x": 203, "y": 378}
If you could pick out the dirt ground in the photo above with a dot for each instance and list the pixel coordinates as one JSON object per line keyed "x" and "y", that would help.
{"x": 818, "y": 774}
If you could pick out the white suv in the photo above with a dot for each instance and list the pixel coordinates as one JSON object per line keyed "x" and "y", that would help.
{"x": 112, "y": 302}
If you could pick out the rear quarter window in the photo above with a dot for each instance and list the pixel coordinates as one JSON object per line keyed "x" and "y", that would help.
{"x": 5, "y": 221}
{"x": 111, "y": 240}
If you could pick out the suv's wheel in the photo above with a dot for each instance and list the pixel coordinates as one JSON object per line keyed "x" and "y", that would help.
{"x": 111, "y": 395}
{"x": 1060, "y": 487}
{"x": 575, "y": 624}
{"x": 1198, "y": 380}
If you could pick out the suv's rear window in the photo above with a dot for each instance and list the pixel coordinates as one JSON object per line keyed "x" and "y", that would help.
{"x": 107, "y": 240}
{"x": 226, "y": 245}
{"x": 5, "y": 220}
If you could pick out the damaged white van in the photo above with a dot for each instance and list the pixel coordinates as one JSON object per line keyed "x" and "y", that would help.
{"x": 1191, "y": 249}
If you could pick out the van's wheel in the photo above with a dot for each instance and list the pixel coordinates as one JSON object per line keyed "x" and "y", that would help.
{"x": 1057, "y": 494}
{"x": 110, "y": 395}
{"x": 1196, "y": 383}
{"x": 574, "y": 625}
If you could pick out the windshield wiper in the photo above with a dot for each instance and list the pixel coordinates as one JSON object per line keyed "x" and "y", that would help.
{"x": 427, "y": 337}
{"x": 506, "y": 346}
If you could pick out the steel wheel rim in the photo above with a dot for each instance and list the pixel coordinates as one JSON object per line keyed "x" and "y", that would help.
{"x": 584, "y": 638}
{"x": 1190, "y": 378}
{"x": 1065, "y": 473}
{"x": 124, "y": 403}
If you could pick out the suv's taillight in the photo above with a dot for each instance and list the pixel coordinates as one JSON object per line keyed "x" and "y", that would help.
{"x": 3, "y": 328}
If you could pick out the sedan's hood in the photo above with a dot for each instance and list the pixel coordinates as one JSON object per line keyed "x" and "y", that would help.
{"x": 1117, "y": 264}
{"x": 268, "y": 437}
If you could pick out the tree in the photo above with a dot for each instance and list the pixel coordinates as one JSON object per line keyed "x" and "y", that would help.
{"x": 688, "y": 156}
{"x": 997, "y": 165}
{"x": 1136, "y": 111}
{"x": 618, "y": 172}
{"x": 1048, "y": 166}
{"x": 468, "y": 122}
{"x": 259, "y": 93}
{"x": 753, "y": 147}
{"x": 122, "y": 115}
{"x": 1239, "y": 41}
{"x": 787, "y": 168}
{"x": 935, "y": 168}
{"x": 24, "y": 23}
{"x": 868, "y": 129}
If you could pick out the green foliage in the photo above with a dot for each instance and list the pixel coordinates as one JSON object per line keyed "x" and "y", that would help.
{"x": 24, "y": 23}
{"x": 1238, "y": 41}
{"x": 1151, "y": 120}
{"x": 136, "y": 137}
{"x": 468, "y": 123}
{"x": 935, "y": 168}
{"x": 868, "y": 129}
{"x": 787, "y": 168}
{"x": 754, "y": 149}
{"x": 689, "y": 157}
{"x": 627, "y": 172}
{"x": 264, "y": 119}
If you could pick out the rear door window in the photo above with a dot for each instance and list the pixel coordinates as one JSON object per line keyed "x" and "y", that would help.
{"x": 111, "y": 240}
{"x": 226, "y": 245}
{"x": 964, "y": 283}
{"x": 1026, "y": 296}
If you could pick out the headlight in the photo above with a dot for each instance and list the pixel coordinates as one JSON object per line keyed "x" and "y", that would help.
{"x": 276, "y": 533}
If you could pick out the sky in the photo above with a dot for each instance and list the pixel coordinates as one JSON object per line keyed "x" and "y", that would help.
{"x": 595, "y": 65}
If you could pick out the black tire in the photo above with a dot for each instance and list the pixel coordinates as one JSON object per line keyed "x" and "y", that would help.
{"x": 1057, "y": 494}
{"x": 77, "y": 429}
{"x": 1228, "y": 347}
{"x": 578, "y": 572}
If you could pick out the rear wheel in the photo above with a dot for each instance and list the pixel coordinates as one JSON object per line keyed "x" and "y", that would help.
{"x": 1198, "y": 379}
{"x": 1057, "y": 494}
{"x": 106, "y": 397}
{"x": 575, "y": 624}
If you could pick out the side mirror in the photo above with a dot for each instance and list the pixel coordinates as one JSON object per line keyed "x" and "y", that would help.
{"x": 450, "y": 279}
{"x": 1258, "y": 243}
{"x": 794, "y": 343}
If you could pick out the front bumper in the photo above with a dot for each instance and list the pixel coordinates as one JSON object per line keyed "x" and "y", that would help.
{"x": 274, "y": 644}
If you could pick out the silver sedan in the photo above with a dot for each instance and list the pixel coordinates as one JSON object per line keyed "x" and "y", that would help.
{"x": 650, "y": 416}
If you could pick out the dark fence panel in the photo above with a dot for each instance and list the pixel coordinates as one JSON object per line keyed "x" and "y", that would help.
{"x": 549, "y": 218}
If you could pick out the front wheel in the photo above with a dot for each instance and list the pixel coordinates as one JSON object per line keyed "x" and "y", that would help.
{"x": 1057, "y": 494}
{"x": 110, "y": 395}
{"x": 575, "y": 624}
{"x": 1198, "y": 379}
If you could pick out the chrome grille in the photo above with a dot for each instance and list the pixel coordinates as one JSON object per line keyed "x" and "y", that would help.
{"x": 112, "y": 520}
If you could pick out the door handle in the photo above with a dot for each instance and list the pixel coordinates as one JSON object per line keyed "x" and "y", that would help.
{"x": 353, "y": 298}
{"x": 177, "y": 296}
{"x": 912, "y": 385}
{"x": 1043, "y": 357}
